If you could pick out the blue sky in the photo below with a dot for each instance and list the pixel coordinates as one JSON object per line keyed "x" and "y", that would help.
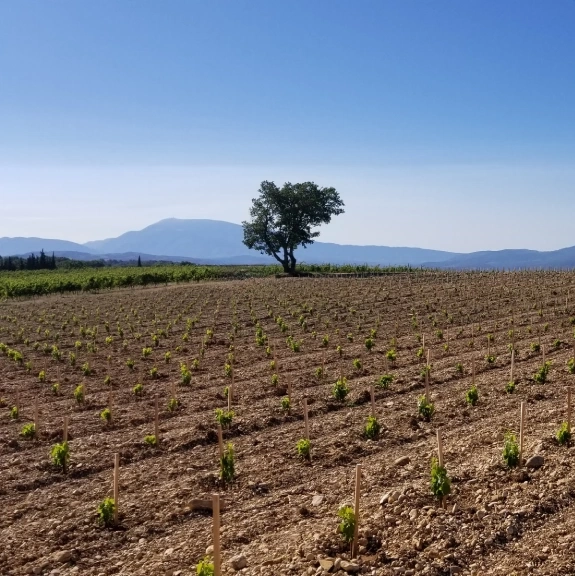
{"x": 443, "y": 124}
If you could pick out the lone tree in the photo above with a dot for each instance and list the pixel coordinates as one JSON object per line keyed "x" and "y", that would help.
{"x": 283, "y": 218}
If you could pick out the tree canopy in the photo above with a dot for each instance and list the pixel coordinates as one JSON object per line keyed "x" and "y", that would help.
{"x": 284, "y": 218}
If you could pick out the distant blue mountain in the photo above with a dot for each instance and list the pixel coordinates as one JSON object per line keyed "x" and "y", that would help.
{"x": 15, "y": 246}
{"x": 214, "y": 239}
{"x": 217, "y": 242}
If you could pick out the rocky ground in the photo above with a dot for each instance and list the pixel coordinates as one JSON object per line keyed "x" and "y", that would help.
{"x": 280, "y": 513}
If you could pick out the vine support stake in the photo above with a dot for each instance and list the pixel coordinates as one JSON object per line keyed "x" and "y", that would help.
{"x": 356, "y": 510}
{"x": 305, "y": 418}
{"x": 440, "y": 458}
{"x": 522, "y": 431}
{"x": 220, "y": 441}
{"x": 157, "y": 421}
{"x": 512, "y": 362}
{"x": 116, "y": 485}
{"x": 216, "y": 535}
{"x": 372, "y": 394}
{"x": 569, "y": 409}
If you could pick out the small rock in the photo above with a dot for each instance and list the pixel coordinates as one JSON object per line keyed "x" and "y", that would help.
{"x": 413, "y": 514}
{"x": 317, "y": 500}
{"x": 63, "y": 556}
{"x": 336, "y": 564}
{"x": 238, "y": 562}
{"x": 385, "y": 498}
{"x": 210, "y": 550}
{"x": 403, "y": 461}
{"x": 326, "y": 563}
{"x": 535, "y": 461}
{"x": 169, "y": 552}
{"x": 349, "y": 567}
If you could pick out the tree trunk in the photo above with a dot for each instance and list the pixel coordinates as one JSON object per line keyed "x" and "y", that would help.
{"x": 292, "y": 263}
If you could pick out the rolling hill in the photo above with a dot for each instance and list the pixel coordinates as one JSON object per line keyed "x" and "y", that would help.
{"x": 218, "y": 242}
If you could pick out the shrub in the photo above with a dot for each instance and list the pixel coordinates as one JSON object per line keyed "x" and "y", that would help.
{"x": 563, "y": 434}
{"x": 440, "y": 482}
{"x": 106, "y": 415}
{"x": 347, "y": 525}
{"x": 138, "y": 389}
{"x": 571, "y": 365}
{"x": 543, "y": 373}
{"x": 357, "y": 363}
{"x": 79, "y": 393}
{"x": 385, "y": 381}
{"x": 108, "y": 380}
{"x": 227, "y": 464}
{"x": 535, "y": 347}
{"x": 372, "y": 428}
{"x": 325, "y": 340}
{"x": 275, "y": 379}
{"x": 205, "y": 568}
{"x": 319, "y": 372}
{"x": 303, "y": 448}
{"x": 14, "y": 412}
{"x": 105, "y": 511}
{"x": 369, "y": 344}
{"x": 510, "y": 387}
{"x": 425, "y": 408}
{"x": 490, "y": 359}
{"x": 173, "y": 404}
{"x": 151, "y": 440}
{"x": 285, "y": 403}
{"x": 60, "y": 455}
{"x": 391, "y": 355}
{"x": 339, "y": 351}
{"x": 459, "y": 368}
{"x": 154, "y": 372}
{"x": 146, "y": 352}
{"x": 472, "y": 396}
{"x": 185, "y": 374}
{"x": 340, "y": 389}
{"x": 510, "y": 450}
{"x": 130, "y": 363}
{"x": 28, "y": 431}
{"x": 167, "y": 357}
{"x": 56, "y": 388}
{"x": 42, "y": 376}
{"x": 86, "y": 370}
{"x": 224, "y": 417}
{"x": 349, "y": 337}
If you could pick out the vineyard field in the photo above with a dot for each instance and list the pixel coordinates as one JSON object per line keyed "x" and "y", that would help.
{"x": 190, "y": 344}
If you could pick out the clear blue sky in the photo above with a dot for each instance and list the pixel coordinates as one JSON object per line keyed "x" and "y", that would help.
{"x": 443, "y": 124}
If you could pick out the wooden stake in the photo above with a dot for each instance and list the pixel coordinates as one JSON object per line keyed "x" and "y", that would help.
{"x": 372, "y": 394}
{"x": 512, "y": 362}
{"x": 569, "y": 409}
{"x": 116, "y": 485}
{"x": 216, "y": 535}
{"x": 543, "y": 352}
{"x": 220, "y": 441}
{"x": 522, "y": 431}
{"x": 356, "y": 510}
{"x": 305, "y": 418}
{"x": 157, "y": 421}
{"x": 439, "y": 448}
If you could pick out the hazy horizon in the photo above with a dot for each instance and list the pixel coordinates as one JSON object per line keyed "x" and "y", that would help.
{"x": 444, "y": 125}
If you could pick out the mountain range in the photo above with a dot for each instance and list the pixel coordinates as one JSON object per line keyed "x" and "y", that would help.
{"x": 218, "y": 242}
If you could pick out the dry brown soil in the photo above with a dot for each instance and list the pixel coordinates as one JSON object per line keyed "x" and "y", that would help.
{"x": 496, "y": 521}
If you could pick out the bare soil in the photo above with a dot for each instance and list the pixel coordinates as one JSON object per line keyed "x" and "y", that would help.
{"x": 496, "y": 520}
